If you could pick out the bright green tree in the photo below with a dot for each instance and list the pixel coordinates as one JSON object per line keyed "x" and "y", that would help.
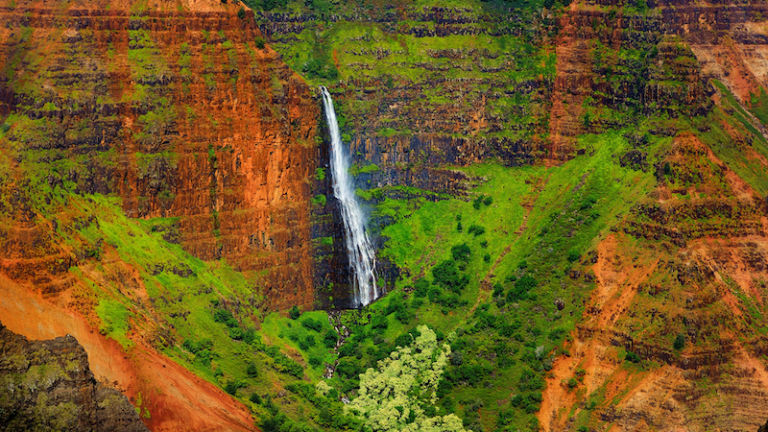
{"x": 393, "y": 398}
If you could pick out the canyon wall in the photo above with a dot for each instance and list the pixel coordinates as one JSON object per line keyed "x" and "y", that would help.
{"x": 182, "y": 112}
{"x": 671, "y": 337}
{"x": 145, "y": 142}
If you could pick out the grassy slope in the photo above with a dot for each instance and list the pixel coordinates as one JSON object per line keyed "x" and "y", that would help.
{"x": 540, "y": 216}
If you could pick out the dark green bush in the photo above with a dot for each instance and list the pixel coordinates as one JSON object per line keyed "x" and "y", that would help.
{"x": 679, "y": 341}
{"x": 252, "y": 370}
{"x": 196, "y": 346}
{"x": 573, "y": 256}
{"x": 347, "y": 368}
{"x": 294, "y": 313}
{"x": 446, "y": 275}
{"x": 461, "y": 252}
{"x": 379, "y": 322}
{"x": 224, "y": 316}
{"x": 312, "y": 324}
{"x": 287, "y": 365}
{"x": 330, "y": 339}
{"x": 521, "y": 287}
{"x": 632, "y": 357}
{"x": 420, "y": 288}
{"x": 310, "y": 340}
{"x": 236, "y": 333}
{"x": 528, "y": 402}
{"x": 529, "y": 380}
{"x": 476, "y": 230}
{"x": 231, "y": 387}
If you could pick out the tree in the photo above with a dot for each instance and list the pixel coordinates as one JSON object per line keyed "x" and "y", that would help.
{"x": 398, "y": 396}
{"x": 294, "y": 312}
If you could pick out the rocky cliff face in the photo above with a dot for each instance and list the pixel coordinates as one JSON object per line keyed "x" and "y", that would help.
{"x": 181, "y": 112}
{"x": 422, "y": 88}
{"x": 671, "y": 336}
{"x": 49, "y": 385}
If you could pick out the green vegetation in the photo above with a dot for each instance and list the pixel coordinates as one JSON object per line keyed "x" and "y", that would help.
{"x": 114, "y": 321}
{"x": 402, "y": 392}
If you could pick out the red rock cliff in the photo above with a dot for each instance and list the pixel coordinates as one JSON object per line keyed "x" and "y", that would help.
{"x": 185, "y": 113}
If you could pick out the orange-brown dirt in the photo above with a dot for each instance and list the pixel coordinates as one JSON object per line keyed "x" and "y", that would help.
{"x": 175, "y": 398}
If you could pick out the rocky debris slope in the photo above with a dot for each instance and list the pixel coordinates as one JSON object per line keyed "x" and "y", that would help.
{"x": 48, "y": 385}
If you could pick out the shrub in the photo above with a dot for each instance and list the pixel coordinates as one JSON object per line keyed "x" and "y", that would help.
{"x": 396, "y": 304}
{"x": 294, "y": 313}
{"x": 225, "y": 316}
{"x": 530, "y": 381}
{"x": 330, "y": 339}
{"x": 287, "y": 365}
{"x": 446, "y": 275}
{"x": 379, "y": 322}
{"x": 487, "y": 258}
{"x": 255, "y": 398}
{"x": 249, "y": 336}
{"x": 521, "y": 288}
{"x": 476, "y": 230}
{"x": 315, "y": 361}
{"x": 241, "y": 13}
{"x": 461, "y": 252}
{"x": 573, "y": 256}
{"x": 420, "y": 288}
{"x": 236, "y": 333}
{"x": 679, "y": 342}
{"x": 347, "y": 368}
{"x": 321, "y": 67}
{"x": 528, "y": 402}
{"x": 312, "y": 324}
{"x": 498, "y": 290}
{"x": 488, "y": 200}
{"x": 632, "y": 357}
{"x": 196, "y": 346}
{"x": 204, "y": 357}
{"x": 251, "y": 370}
{"x": 231, "y": 387}
{"x": 403, "y": 315}
{"x": 310, "y": 340}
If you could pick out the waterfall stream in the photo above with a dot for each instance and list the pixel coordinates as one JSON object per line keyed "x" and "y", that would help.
{"x": 362, "y": 261}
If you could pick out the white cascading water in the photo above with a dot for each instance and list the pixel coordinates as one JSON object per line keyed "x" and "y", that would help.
{"x": 362, "y": 260}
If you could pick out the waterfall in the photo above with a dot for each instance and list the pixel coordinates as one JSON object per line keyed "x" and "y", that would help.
{"x": 362, "y": 261}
